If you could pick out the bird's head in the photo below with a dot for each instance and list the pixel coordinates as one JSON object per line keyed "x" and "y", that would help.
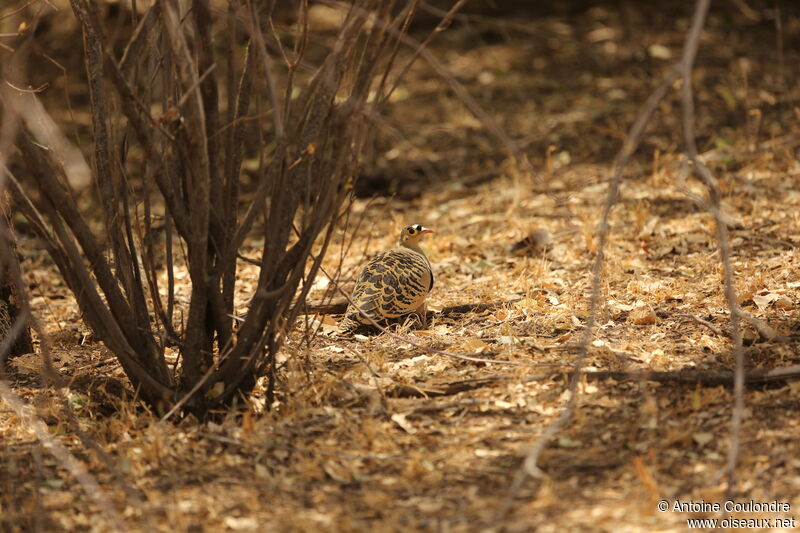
{"x": 413, "y": 234}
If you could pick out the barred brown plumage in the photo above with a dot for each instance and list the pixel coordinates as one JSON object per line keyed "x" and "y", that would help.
{"x": 393, "y": 284}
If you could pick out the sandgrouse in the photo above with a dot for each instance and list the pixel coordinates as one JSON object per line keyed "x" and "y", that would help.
{"x": 394, "y": 283}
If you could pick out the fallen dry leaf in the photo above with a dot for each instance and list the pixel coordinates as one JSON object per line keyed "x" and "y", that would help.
{"x": 473, "y": 345}
{"x": 403, "y": 423}
{"x": 765, "y": 298}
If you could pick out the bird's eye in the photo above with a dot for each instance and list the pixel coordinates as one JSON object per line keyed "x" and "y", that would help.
{"x": 411, "y": 230}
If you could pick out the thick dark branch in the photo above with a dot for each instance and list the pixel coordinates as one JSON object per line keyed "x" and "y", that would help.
{"x": 707, "y": 378}
{"x": 233, "y": 163}
{"x": 107, "y": 177}
{"x": 15, "y": 334}
{"x": 45, "y": 175}
{"x": 193, "y": 142}
{"x": 141, "y": 373}
{"x": 210, "y": 98}
{"x": 142, "y": 123}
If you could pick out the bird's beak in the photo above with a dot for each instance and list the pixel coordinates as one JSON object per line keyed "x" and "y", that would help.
{"x": 426, "y": 230}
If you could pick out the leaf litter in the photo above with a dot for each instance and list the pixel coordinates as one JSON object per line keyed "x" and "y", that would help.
{"x": 336, "y": 452}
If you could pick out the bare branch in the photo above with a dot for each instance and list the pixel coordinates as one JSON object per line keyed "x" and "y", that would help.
{"x": 258, "y": 38}
{"x": 530, "y": 465}
{"x": 687, "y": 105}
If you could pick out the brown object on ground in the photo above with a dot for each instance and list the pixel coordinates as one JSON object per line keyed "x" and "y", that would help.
{"x": 536, "y": 241}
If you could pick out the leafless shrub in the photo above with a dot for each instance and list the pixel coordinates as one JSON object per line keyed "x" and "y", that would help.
{"x": 190, "y": 86}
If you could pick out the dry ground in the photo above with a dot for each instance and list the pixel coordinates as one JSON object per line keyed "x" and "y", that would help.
{"x": 349, "y": 447}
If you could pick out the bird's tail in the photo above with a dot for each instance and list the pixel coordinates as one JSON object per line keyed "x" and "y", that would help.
{"x": 348, "y": 326}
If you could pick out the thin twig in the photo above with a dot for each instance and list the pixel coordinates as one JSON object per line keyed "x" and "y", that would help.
{"x": 687, "y": 105}
{"x": 258, "y": 38}
{"x": 15, "y": 11}
{"x": 185, "y": 398}
{"x": 705, "y": 323}
{"x": 530, "y": 464}
{"x": 194, "y": 86}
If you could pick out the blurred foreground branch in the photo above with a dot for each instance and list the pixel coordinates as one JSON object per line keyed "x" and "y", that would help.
{"x": 530, "y": 466}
